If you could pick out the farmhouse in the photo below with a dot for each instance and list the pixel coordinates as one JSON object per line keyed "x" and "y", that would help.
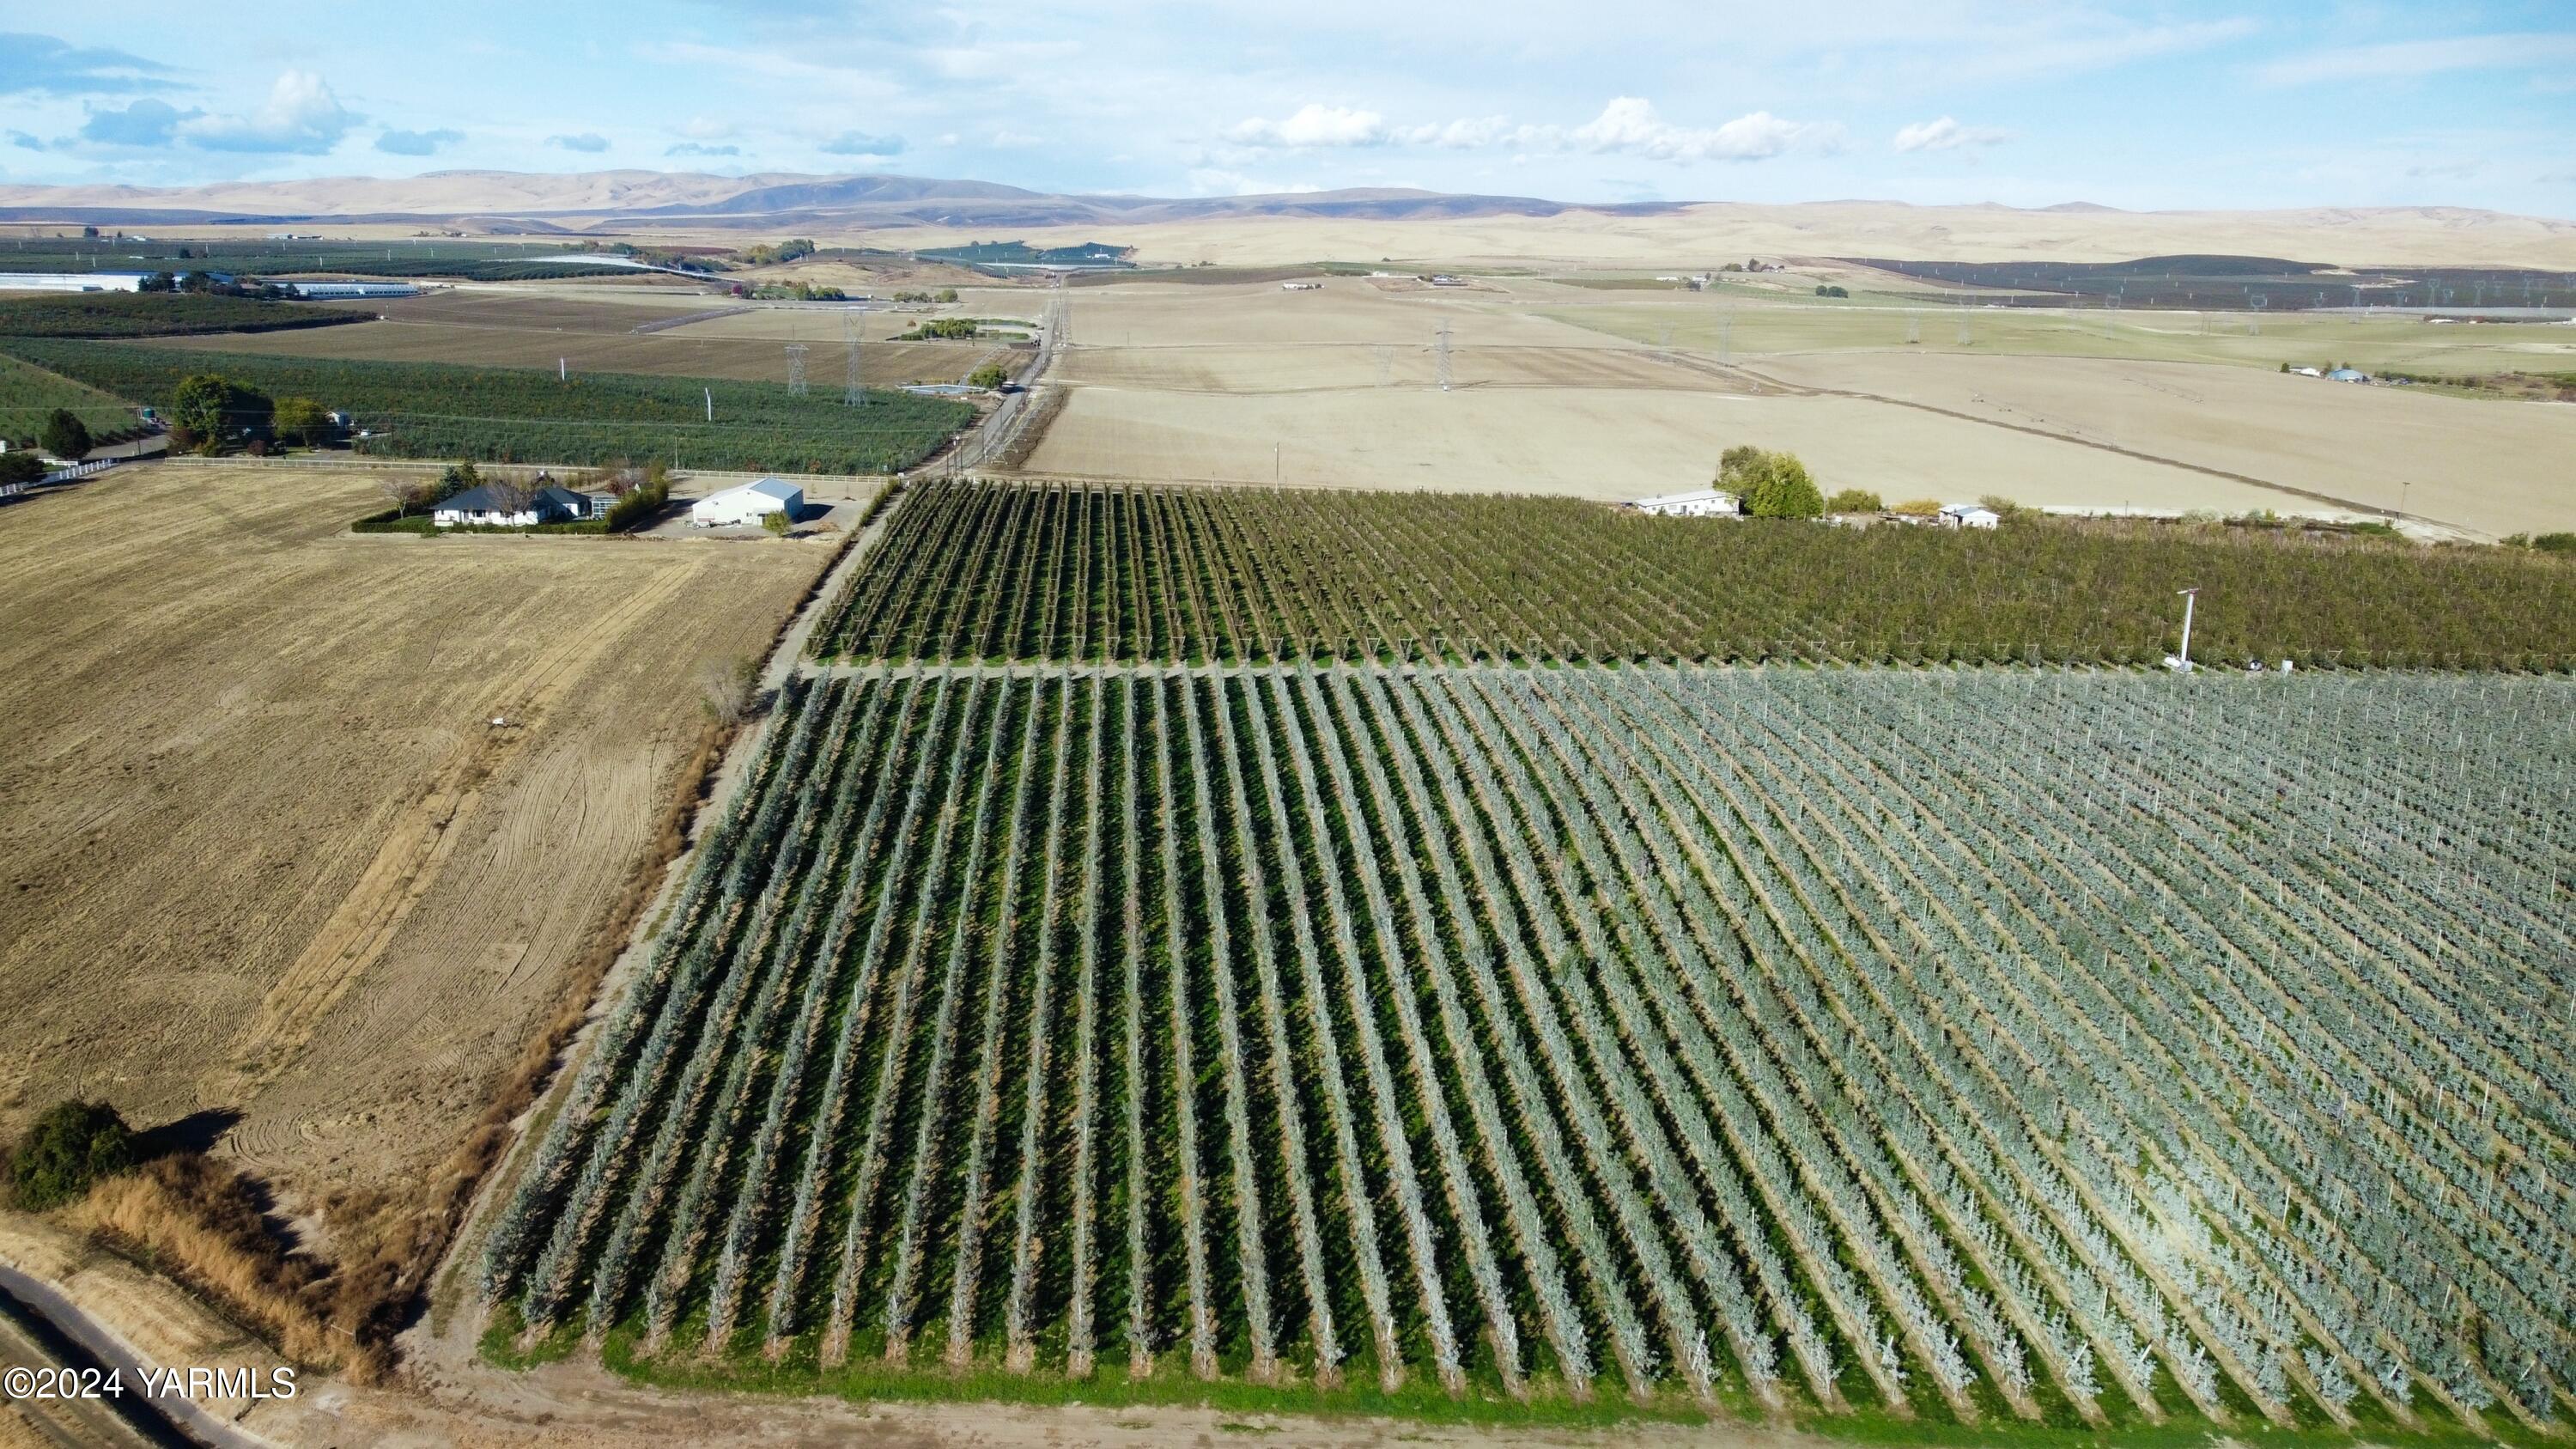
{"x": 1969, "y": 515}
{"x": 496, "y": 505}
{"x": 1697, "y": 503}
{"x": 747, "y": 504}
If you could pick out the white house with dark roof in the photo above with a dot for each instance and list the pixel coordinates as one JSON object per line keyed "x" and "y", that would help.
{"x": 497, "y": 506}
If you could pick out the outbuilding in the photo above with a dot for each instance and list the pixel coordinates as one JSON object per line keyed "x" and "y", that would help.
{"x": 1969, "y": 515}
{"x": 1697, "y": 503}
{"x": 748, "y": 504}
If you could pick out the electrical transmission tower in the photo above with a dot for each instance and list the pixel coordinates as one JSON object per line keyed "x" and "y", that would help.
{"x": 1913, "y": 326}
{"x": 1385, "y": 364}
{"x": 852, "y": 395}
{"x": 796, "y": 368}
{"x": 1442, "y": 349}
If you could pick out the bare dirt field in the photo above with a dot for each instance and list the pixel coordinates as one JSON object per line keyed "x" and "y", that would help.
{"x": 2492, "y": 467}
{"x": 266, "y": 856}
{"x": 1620, "y": 394}
{"x": 1602, "y": 443}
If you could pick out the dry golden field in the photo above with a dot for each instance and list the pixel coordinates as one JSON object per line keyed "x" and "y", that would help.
{"x": 264, "y": 853}
{"x": 1620, "y": 394}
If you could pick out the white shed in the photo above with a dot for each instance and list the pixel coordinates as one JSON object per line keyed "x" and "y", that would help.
{"x": 1969, "y": 515}
{"x": 748, "y": 504}
{"x": 1698, "y": 503}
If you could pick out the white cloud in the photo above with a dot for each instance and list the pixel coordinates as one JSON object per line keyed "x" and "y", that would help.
{"x": 1629, "y": 125}
{"x": 586, "y": 141}
{"x": 708, "y": 128}
{"x": 1313, "y": 125}
{"x": 1462, "y": 135}
{"x": 301, "y": 117}
{"x": 1946, "y": 134}
{"x": 2422, "y": 57}
{"x": 417, "y": 143}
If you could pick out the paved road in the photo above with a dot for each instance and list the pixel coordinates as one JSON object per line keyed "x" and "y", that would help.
{"x": 25, "y": 1342}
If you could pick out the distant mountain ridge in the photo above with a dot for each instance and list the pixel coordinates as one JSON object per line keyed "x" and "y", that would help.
{"x": 765, "y": 199}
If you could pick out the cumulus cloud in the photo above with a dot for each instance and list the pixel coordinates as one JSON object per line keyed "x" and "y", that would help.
{"x": 1629, "y": 125}
{"x": 416, "y": 143}
{"x": 44, "y": 65}
{"x": 1313, "y": 126}
{"x": 586, "y": 141}
{"x": 860, "y": 143}
{"x": 146, "y": 122}
{"x": 301, "y": 117}
{"x": 708, "y": 128}
{"x": 692, "y": 148}
{"x": 1946, "y": 134}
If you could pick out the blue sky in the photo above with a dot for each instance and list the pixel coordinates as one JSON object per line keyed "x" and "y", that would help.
{"x": 2189, "y": 103}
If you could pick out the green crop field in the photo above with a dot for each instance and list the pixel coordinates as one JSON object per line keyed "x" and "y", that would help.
{"x": 157, "y": 314}
{"x": 471, "y": 261}
{"x": 2080, "y": 1049}
{"x": 29, "y": 394}
{"x": 1186, "y": 574}
{"x": 1934, "y": 1053}
{"x": 434, "y": 410}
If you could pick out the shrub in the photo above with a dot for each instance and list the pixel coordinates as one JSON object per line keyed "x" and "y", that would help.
{"x": 1828, "y": 291}
{"x": 20, "y": 466}
{"x": 65, "y": 435}
{"x": 990, "y": 375}
{"x": 1854, "y": 500}
{"x": 71, "y": 1146}
{"x": 1918, "y": 508}
{"x": 2554, "y": 542}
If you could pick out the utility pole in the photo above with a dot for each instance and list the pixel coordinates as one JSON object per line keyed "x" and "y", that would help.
{"x": 2190, "y": 597}
{"x": 1275, "y": 450}
{"x": 563, "y": 370}
{"x": 1444, "y": 354}
{"x": 711, "y": 404}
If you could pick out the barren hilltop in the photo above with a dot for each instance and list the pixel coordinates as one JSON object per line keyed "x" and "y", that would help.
{"x": 1354, "y": 223}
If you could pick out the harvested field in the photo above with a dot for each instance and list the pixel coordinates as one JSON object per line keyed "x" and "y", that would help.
{"x": 264, "y": 854}
{"x": 1753, "y": 328}
{"x": 2494, "y": 468}
{"x": 1603, "y": 443}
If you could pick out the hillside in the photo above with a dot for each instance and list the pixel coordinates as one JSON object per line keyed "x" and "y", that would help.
{"x": 1364, "y": 222}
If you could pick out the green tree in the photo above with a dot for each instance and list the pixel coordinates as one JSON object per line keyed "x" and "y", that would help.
{"x": 990, "y": 375}
{"x": 65, "y": 435}
{"x": 1855, "y": 500}
{"x": 71, "y": 1146}
{"x": 1733, "y": 463}
{"x": 1781, "y": 487}
{"x": 302, "y": 420}
{"x": 198, "y": 407}
{"x": 777, "y": 523}
{"x": 20, "y": 466}
{"x": 948, "y": 294}
{"x": 213, "y": 409}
